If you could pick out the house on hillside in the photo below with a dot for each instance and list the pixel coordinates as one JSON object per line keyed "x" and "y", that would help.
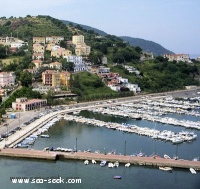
{"x": 178, "y": 57}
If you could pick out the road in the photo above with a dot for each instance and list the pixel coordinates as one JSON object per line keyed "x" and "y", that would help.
{"x": 26, "y": 116}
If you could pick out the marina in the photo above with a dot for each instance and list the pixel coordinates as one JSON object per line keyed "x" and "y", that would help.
{"x": 165, "y": 135}
{"x": 77, "y": 143}
{"x": 78, "y": 148}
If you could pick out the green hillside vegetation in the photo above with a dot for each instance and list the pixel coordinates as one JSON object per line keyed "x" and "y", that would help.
{"x": 159, "y": 75}
{"x": 90, "y": 87}
{"x": 156, "y": 75}
{"x": 26, "y": 28}
{"x": 22, "y": 92}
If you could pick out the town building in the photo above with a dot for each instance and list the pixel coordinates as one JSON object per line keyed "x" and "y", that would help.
{"x": 23, "y": 104}
{"x": 103, "y": 70}
{"x": 7, "y": 79}
{"x": 32, "y": 71}
{"x": 54, "y": 39}
{"x": 6, "y": 40}
{"x": 38, "y": 63}
{"x": 56, "y": 65}
{"x": 178, "y": 57}
{"x": 38, "y": 56}
{"x": 61, "y": 52}
{"x": 64, "y": 79}
{"x": 51, "y": 78}
{"x": 45, "y": 89}
{"x": 38, "y": 48}
{"x": 82, "y": 49}
{"x": 49, "y": 46}
{"x": 74, "y": 59}
{"x": 77, "y": 39}
{"x": 39, "y": 40}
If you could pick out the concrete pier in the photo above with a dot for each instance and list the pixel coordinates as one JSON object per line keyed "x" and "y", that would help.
{"x": 143, "y": 161}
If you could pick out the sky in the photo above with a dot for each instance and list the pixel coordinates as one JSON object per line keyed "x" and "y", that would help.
{"x": 174, "y": 24}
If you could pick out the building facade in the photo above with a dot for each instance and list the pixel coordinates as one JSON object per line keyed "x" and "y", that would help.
{"x": 178, "y": 57}
{"x": 64, "y": 79}
{"x": 77, "y": 39}
{"x": 54, "y": 39}
{"x": 7, "y": 79}
{"x": 23, "y": 104}
{"x": 51, "y": 78}
{"x": 39, "y": 40}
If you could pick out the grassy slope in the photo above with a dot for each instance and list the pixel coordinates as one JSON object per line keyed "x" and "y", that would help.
{"x": 87, "y": 82}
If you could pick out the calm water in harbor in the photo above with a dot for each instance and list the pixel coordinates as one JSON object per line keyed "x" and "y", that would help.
{"x": 64, "y": 134}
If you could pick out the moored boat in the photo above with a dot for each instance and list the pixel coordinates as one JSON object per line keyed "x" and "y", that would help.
{"x": 116, "y": 164}
{"x": 117, "y": 177}
{"x": 103, "y": 163}
{"x": 127, "y": 165}
{"x": 44, "y": 136}
{"x": 86, "y": 162}
{"x": 192, "y": 171}
{"x": 166, "y": 156}
{"x": 166, "y": 168}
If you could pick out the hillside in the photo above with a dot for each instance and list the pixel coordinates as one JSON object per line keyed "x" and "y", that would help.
{"x": 100, "y": 32}
{"x": 156, "y": 75}
{"x": 148, "y": 46}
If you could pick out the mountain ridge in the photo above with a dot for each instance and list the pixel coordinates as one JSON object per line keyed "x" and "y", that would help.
{"x": 146, "y": 45}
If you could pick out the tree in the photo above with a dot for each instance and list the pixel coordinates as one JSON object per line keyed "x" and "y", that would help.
{"x": 63, "y": 44}
{"x": 25, "y": 78}
{"x": 69, "y": 66}
{"x": 138, "y": 50}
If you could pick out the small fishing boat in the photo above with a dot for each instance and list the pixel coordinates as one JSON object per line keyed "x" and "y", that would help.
{"x": 110, "y": 165}
{"x": 192, "y": 171}
{"x": 166, "y": 156}
{"x": 166, "y": 168}
{"x": 93, "y": 161}
{"x": 103, "y": 163}
{"x": 127, "y": 165}
{"x": 21, "y": 145}
{"x": 117, "y": 177}
{"x": 116, "y": 164}
{"x": 86, "y": 162}
{"x": 44, "y": 136}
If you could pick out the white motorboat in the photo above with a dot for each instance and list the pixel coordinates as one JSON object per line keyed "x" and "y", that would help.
{"x": 93, "y": 161}
{"x": 127, "y": 165}
{"x": 192, "y": 171}
{"x": 166, "y": 168}
{"x": 110, "y": 165}
{"x": 44, "y": 136}
{"x": 166, "y": 156}
{"x": 86, "y": 162}
{"x": 103, "y": 163}
{"x": 116, "y": 164}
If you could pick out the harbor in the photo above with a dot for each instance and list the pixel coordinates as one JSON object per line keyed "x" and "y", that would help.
{"x": 72, "y": 138}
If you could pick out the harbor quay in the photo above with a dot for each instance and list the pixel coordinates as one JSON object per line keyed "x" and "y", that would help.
{"x": 82, "y": 156}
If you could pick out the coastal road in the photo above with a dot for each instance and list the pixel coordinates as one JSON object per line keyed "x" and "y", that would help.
{"x": 26, "y": 116}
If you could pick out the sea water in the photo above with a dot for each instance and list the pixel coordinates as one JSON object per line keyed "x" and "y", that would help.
{"x": 69, "y": 134}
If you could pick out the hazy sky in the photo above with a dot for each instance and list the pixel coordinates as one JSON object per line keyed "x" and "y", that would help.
{"x": 175, "y": 24}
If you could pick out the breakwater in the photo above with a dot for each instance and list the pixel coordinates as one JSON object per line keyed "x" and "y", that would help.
{"x": 133, "y": 160}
